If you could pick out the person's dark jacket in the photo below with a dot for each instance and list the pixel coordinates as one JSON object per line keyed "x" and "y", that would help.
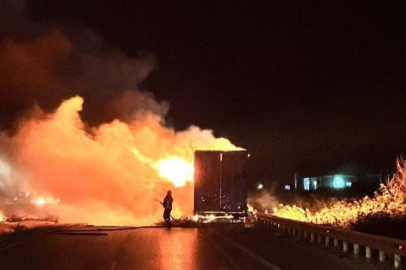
{"x": 168, "y": 202}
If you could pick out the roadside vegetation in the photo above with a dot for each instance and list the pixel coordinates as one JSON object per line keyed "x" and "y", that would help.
{"x": 382, "y": 213}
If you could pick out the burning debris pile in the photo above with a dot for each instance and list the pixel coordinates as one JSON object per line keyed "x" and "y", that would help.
{"x": 389, "y": 200}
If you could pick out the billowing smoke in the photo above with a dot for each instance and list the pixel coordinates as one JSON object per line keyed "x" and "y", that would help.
{"x": 263, "y": 200}
{"x": 76, "y": 127}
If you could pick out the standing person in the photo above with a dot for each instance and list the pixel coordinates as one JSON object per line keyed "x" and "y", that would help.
{"x": 168, "y": 206}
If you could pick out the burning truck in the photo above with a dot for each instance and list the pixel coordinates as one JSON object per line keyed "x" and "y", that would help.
{"x": 220, "y": 185}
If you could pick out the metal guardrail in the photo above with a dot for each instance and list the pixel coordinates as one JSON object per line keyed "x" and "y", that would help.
{"x": 339, "y": 238}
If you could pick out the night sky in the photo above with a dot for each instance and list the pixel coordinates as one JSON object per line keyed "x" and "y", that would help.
{"x": 305, "y": 88}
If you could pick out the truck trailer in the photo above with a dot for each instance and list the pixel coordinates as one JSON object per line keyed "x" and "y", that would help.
{"x": 220, "y": 184}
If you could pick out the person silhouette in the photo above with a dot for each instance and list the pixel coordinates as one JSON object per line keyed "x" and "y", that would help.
{"x": 167, "y": 203}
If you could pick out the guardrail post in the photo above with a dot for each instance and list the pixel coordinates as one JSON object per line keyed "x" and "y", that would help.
{"x": 356, "y": 250}
{"x": 363, "y": 240}
{"x": 345, "y": 246}
{"x": 368, "y": 255}
{"x": 397, "y": 261}
{"x": 381, "y": 256}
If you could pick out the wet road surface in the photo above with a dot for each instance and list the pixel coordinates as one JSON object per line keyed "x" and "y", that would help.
{"x": 219, "y": 248}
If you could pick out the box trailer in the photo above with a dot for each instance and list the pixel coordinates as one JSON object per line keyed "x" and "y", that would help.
{"x": 220, "y": 183}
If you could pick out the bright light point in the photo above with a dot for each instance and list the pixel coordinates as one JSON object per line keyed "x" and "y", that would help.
{"x": 195, "y": 217}
{"x": 40, "y": 201}
{"x": 212, "y": 217}
{"x": 260, "y": 186}
{"x": 338, "y": 182}
{"x": 5, "y": 169}
{"x": 175, "y": 169}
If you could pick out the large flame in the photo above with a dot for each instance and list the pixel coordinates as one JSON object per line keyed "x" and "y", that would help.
{"x": 110, "y": 174}
{"x": 176, "y": 169}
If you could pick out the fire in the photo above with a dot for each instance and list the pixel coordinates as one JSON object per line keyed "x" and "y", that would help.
{"x": 110, "y": 168}
{"x": 42, "y": 201}
{"x": 390, "y": 199}
{"x": 176, "y": 169}
{"x": 109, "y": 174}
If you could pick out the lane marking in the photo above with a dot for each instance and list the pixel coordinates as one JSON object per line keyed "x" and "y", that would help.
{"x": 113, "y": 266}
{"x": 229, "y": 259}
{"x": 250, "y": 253}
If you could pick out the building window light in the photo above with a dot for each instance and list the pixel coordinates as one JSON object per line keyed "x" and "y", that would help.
{"x": 306, "y": 184}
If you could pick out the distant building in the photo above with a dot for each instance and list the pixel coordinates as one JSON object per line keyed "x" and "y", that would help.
{"x": 348, "y": 175}
{"x": 337, "y": 181}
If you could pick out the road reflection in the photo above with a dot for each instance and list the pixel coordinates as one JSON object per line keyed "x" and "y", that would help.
{"x": 178, "y": 249}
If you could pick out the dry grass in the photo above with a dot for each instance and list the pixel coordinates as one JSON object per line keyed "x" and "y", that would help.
{"x": 388, "y": 201}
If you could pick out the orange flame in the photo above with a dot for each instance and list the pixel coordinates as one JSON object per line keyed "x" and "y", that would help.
{"x": 390, "y": 200}
{"x": 109, "y": 174}
{"x": 175, "y": 169}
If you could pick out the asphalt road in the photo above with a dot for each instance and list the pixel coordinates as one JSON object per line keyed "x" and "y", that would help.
{"x": 216, "y": 247}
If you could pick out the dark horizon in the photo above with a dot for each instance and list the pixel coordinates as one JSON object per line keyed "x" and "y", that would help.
{"x": 304, "y": 89}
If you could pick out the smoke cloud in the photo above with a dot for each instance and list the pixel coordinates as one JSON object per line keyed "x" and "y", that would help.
{"x": 76, "y": 126}
{"x": 264, "y": 200}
